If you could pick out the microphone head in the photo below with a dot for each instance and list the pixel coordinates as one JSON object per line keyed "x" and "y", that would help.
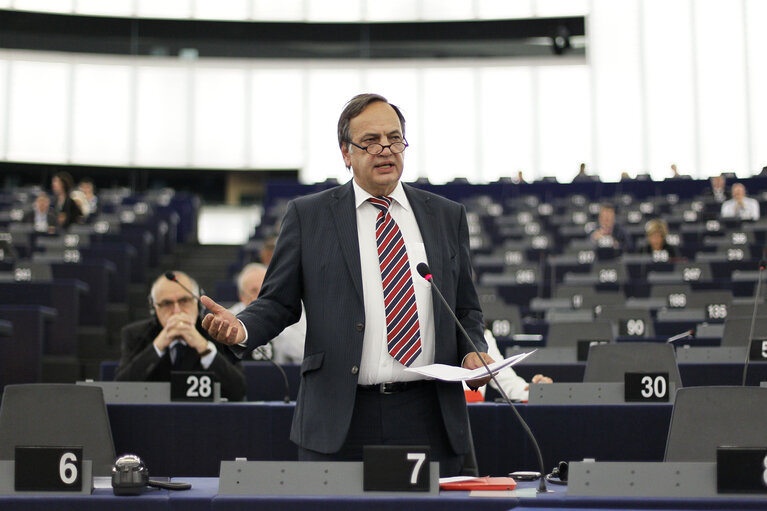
{"x": 423, "y": 270}
{"x": 170, "y": 275}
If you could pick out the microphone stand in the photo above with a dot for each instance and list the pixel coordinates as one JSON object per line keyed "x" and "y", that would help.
{"x": 762, "y": 265}
{"x": 281, "y": 370}
{"x": 542, "y": 485}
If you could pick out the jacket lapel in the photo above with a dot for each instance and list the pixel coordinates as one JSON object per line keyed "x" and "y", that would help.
{"x": 345, "y": 219}
{"x": 430, "y": 228}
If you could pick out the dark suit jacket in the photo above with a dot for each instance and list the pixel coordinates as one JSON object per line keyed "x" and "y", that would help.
{"x": 317, "y": 260}
{"x": 139, "y": 361}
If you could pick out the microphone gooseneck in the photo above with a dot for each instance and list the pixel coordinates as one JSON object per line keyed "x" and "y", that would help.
{"x": 684, "y": 335}
{"x": 423, "y": 270}
{"x": 762, "y": 265}
{"x": 286, "y": 399}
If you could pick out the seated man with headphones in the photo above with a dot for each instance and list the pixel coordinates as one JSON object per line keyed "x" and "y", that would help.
{"x": 172, "y": 339}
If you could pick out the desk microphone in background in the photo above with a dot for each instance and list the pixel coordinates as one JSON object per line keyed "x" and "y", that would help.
{"x": 762, "y": 265}
{"x": 423, "y": 270}
{"x": 172, "y": 276}
{"x": 684, "y": 335}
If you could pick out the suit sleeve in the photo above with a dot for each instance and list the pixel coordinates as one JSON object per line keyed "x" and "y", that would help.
{"x": 467, "y": 307}
{"x": 279, "y": 303}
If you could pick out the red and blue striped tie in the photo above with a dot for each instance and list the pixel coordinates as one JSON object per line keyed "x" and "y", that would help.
{"x": 403, "y": 330}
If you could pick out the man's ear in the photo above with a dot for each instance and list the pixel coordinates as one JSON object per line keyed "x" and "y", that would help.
{"x": 346, "y": 155}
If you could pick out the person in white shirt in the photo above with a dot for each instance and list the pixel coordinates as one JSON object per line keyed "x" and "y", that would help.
{"x": 514, "y": 385}
{"x": 288, "y": 346}
{"x": 740, "y": 206}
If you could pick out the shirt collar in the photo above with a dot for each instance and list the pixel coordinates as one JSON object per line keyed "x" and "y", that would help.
{"x": 398, "y": 195}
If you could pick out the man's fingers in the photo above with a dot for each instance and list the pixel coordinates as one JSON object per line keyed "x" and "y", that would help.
{"x": 211, "y": 305}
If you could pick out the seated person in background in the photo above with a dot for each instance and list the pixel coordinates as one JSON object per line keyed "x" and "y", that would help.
{"x": 42, "y": 216}
{"x": 740, "y": 206}
{"x": 656, "y": 231}
{"x": 173, "y": 340}
{"x": 288, "y": 346}
{"x": 608, "y": 233}
{"x": 515, "y": 386}
{"x": 89, "y": 193}
{"x": 67, "y": 209}
{"x": 717, "y": 190}
{"x": 267, "y": 251}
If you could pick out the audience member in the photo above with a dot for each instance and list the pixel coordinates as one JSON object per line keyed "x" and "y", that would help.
{"x": 89, "y": 192}
{"x": 288, "y": 346}
{"x": 172, "y": 340}
{"x": 267, "y": 250}
{"x": 66, "y": 208}
{"x": 520, "y": 178}
{"x": 581, "y": 175}
{"x": 656, "y": 231}
{"x": 42, "y": 215}
{"x": 717, "y": 190}
{"x": 608, "y": 233}
{"x": 740, "y": 206}
{"x": 515, "y": 387}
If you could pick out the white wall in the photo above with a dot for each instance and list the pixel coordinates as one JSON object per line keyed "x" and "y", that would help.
{"x": 665, "y": 81}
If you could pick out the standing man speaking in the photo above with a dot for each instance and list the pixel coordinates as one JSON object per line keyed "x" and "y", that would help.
{"x": 350, "y": 255}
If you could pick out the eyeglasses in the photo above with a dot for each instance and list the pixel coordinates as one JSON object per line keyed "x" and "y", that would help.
{"x": 183, "y": 302}
{"x": 374, "y": 149}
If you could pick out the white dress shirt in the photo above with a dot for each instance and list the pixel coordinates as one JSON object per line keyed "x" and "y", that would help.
{"x": 748, "y": 211}
{"x": 377, "y": 365}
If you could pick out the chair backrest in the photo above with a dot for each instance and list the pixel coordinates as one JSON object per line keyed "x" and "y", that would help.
{"x": 610, "y": 362}
{"x": 737, "y": 329}
{"x": 640, "y": 319}
{"x": 50, "y": 414}
{"x": 567, "y": 334}
{"x": 705, "y": 418}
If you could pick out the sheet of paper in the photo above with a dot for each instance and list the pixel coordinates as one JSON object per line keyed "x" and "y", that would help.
{"x": 454, "y": 373}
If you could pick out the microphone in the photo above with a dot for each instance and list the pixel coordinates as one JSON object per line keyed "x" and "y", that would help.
{"x": 172, "y": 276}
{"x": 683, "y": 335}
{"x": 762, "y": 265}
{"x": 423, "y": 270}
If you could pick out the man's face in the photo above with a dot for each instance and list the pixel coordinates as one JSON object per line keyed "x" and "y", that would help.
{"x": 251, "y": 285}
{"x": 170, "y": 299}
{"x": 376, "y": 174}
{"x": 606, "y": 218}
{"x": 717, "y": 182}
{"x": 42, "y": 203}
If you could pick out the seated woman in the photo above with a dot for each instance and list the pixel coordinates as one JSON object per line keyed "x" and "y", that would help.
{"x": 656, "y": 231}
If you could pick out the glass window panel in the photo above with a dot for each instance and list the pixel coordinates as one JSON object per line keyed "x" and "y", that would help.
{"x": 334, "y": 10}
{"x": 327, "y": 91}
{"x": 393, "y": 10}
{"x": 721, "y": 86}
{"x": 449, "y": 107}
{"x": 43, "y": 5}
{"x": 164, "y": 8}
{"x": 277, "y": 119}
{"x": 504, "y": 9}
{"x": 284, "y": 10}
{"x": 162, "y": 116}
{"x": 564, "y": 7}
{"x": 38, "y": 112}
{"x": 101, "y": 114}
{"x": 5, "y": 4}
{"x": 670, "y": 108}
{"x": 102, "y": 8}
{"x": 217, "y": 10}
{"x": 447, "y": 10}
{"x": 219, "y": 117}
{"x": 506, "y": 131}
{"x": 756, "y": 19}
{"x": 564, "y": 122}
{"x": 615, "y": 66}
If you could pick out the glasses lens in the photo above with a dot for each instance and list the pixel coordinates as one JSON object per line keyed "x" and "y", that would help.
{"x": 374, "y": 149}
{"x": 185, "y": 301}
{"x": 398, "y": 147}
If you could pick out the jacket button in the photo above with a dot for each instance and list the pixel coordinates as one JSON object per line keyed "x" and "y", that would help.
{"x": 355, "y": 369}
{"x": 360, "y": 327}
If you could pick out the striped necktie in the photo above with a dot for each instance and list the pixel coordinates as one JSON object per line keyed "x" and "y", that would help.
{"x": 403, "y": 330}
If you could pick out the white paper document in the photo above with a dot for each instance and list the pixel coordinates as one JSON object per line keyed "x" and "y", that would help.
{"x": 454, "y": 373}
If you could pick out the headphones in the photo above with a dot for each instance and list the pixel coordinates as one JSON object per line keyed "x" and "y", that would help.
{"x": 131, "y": 477}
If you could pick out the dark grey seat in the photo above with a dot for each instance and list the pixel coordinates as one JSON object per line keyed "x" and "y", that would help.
{"x": 705, "y": 418}
{"x": 737, "y": 329}
{"x": 609, "y": 362}
{"x": 567, "y": 334}
{"x": 51, "y": 414}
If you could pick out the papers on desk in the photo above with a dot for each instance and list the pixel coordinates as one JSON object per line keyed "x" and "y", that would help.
{"x": 453, "y": 373}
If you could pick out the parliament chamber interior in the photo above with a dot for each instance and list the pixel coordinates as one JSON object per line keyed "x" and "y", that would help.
{"x": 657, "y": 356}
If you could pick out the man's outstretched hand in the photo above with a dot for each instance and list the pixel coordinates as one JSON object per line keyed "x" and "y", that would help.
{"x": 221, "y": 325}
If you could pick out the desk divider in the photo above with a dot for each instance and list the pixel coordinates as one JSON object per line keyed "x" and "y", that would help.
{"x": 583, "y": 393}
{"x": 140, "y": 392}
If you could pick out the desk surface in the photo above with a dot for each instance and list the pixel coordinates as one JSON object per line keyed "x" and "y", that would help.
{"x": 203, "y": 496}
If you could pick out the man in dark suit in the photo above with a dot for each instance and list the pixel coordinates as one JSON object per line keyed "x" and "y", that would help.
{"x": 354, "y": 391}
{"x": 173, "y": 340}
